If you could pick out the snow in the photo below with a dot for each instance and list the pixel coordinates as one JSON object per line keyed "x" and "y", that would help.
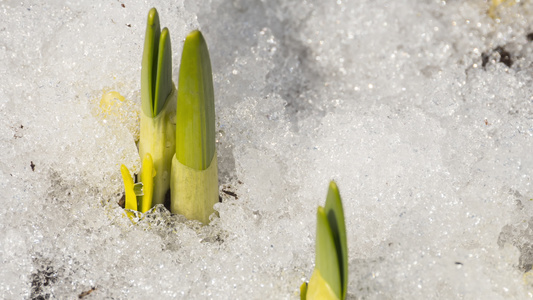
{"x": 409, "y": 105}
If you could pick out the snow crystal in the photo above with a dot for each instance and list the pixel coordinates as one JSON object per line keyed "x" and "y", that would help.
{"x": 420, "y": 110}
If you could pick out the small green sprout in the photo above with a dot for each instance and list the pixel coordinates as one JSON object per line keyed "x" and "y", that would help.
{"x": 330, "y": 277}
{"x": 157, "y": 135}
{"x": 194, "y": 188}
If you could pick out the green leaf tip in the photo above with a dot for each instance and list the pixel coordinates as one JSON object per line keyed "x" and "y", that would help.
{"x": 195, "y": 112}
{"x": 335, "y": 214}
{"x": 156, "y": 72}
{"x": 153, "y": 17}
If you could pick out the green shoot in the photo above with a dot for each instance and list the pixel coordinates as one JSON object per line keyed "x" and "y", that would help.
{"x": 157, "y": 92}
{"x": 330, "y": 277}
{"x": 194, "y": 188}
{"x": 195, "y": 124}
{"x": 156, "y": 72}
{"x": 335, "y": 214}
{"x": 326, "y": 261}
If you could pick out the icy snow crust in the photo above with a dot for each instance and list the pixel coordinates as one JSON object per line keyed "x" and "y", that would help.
{"x": 404, "y": 103}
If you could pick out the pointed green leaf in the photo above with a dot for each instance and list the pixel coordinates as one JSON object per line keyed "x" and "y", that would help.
{"x": 335, "y": 215}
{"x": 156, "y": 73}
{"x": 195, "y": 112}
{"x": 326, "y": 261}
{"x": 163, "y": 84}
{"x": 149, "y": 61}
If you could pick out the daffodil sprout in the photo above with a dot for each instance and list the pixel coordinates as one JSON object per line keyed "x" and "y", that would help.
{"x": 177, "y": 137}
{"x": 329, "y": 280}
{"x": 194, "y": 188}
{"x": 157, "y": 135}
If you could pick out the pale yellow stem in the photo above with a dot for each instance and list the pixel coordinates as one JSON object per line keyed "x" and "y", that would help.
{"x": 158, "y": 139}
{"x": 194, "y": 192}
{"x": 147, "y": 179}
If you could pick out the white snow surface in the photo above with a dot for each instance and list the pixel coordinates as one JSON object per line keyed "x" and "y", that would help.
{"x": 408, "y": 105}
